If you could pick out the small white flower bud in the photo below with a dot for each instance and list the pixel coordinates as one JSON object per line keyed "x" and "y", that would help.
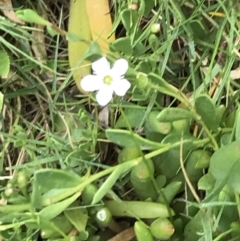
{"x": 155, "y": 28}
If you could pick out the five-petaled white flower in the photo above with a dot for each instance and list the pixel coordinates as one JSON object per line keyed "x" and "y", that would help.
{"x": 107, "y": 81}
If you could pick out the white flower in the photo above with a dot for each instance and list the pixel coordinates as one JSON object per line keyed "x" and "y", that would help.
{"x": 107, "y": 81}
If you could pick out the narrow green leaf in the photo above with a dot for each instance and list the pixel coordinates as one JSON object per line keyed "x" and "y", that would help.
{"x": 108, "y": 184}
{"x": 237, "y": 121}
{"x": 31, "y": 16}
{"x": 1, "y": 101}
{"x": 54, "y": 210}
{"x": 4, "y": 65}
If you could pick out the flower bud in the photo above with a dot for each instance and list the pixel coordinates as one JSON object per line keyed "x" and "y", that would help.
{"x": 155, "y": 28}
{"x": 133, "y": 6}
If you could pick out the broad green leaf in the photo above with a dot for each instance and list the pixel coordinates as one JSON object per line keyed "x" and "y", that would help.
{"x": 127, "y": 139}
{"x": 123, "y": 45}
{"x": 199, "y": 28}
{"x": 68, "y": 121}
{"x": 173, "y": 114}
{"x": 207, "y": 110}
{"x": 144, "y": 67}
{"x": 78, "y": 217}
{"x": 78, "y": 25}
{"x": 226, "y": 139}
{"x": 133, "y": 116}
{"x": 206, "y": 182}
{"x": 48, "y": 179}
{"x": 141, "y": 9}
{"x": 108, "y": 184}
{"x": 202, "y": 158}
{"x": 94, "y": 51}
{"x": 148, "y": 6}
{"x": 55, "y": 209}
{"x": 168, "y": 162}
{"x": 154, "y": 42}
{"x": 187, "y": 140}
{"x": 59, "y": 226}
{"x": 4, "y": 65}
{"x": 225, "y": 164}
{"x": 227, "y": 213}
{"x": 36, "y": 195}
{"x": 139, "y": 94}
{"x": 129, "y": 19}
{"x": 194, "y": 228}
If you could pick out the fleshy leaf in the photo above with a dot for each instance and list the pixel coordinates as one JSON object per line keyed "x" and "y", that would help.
{"x": 134, "y": 117}
{"x": 78, "y": 217}
{"x": 173, "y": 114}
{"x": 225, "y": 165}
{"x": 206, "y": 109}
{"x": 108, "y": 184}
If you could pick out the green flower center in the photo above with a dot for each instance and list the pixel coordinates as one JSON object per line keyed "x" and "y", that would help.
{"x": 107, "y": 80}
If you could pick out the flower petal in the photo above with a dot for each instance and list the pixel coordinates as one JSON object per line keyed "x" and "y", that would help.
{"x": 120, "y": 86}
{"x": 90, "y": 83}
{"x": 104, "y": 95}
{"x": 101, "y": 66}
{"x": 119, "y": 68}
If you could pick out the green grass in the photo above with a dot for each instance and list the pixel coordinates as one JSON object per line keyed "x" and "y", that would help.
{"x": 56, "y": 141}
